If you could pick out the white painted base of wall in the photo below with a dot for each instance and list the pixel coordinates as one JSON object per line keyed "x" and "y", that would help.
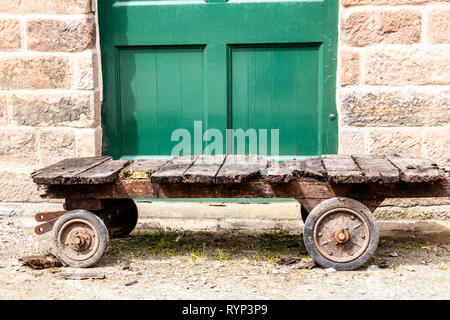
{"x": 437, "y": 229}
{"x": 289, "y": 210}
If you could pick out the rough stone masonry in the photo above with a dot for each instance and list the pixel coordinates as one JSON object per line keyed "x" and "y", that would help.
{"x": 49, "y": 89}
{"x": 393, "y": 87}
{"x": 394, "y": 77}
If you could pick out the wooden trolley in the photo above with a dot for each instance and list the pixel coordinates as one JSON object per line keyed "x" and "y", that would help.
{"x": 337, "y": 196}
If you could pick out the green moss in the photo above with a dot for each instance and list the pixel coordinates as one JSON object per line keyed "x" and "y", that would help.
{"x": 198, "y": 246}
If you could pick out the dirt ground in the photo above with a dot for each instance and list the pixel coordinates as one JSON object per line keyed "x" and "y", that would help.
{"x": 222, "y": 265}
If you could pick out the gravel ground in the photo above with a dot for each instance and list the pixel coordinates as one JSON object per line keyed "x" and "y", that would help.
{"x": 222, "y": 265}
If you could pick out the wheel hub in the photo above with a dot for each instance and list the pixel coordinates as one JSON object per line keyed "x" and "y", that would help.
{"x": 341, "y": 235}
{"x": 78, "y": 239}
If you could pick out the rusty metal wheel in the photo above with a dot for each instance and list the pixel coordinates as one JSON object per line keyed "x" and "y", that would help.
{"x": 120, "y": 216}
{"x": 341, "y": 233}
{"x": 80, "y": 238}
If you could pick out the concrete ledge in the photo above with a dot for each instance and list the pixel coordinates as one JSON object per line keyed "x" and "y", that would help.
{"x": 436, "y": 229}
{"x": 418, "y": 212}
{"x": 193, "y": 210}
{"x": 213, "y": 225}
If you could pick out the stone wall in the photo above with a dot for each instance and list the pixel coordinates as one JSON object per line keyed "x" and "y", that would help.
{"x": 393, "y": 83}
{"x": 49, "y": 89}
{"x": 394, "y": 78}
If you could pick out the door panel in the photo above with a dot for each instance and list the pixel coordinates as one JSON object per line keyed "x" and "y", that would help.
{"x": 232, "y": 65}
{"x": 277, "y": 88}
{"x": 161, "y": 91}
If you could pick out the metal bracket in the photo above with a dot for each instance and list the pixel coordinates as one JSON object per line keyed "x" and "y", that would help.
{"x": 49, "y": 218}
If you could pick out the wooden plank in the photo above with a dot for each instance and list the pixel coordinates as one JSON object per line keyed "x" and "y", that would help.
{"x": 277, "y": 173}
{"x": 342, "y": 169}
{"x": 436, "y": 189}
{"x": 238, "y": 168}
{"x": 260, "y": 188}
{"x": 312, "y": 168}
{"x": 293, "y": 165}
{"x": 104, "y": 173}
{"x": 142, "y": 169}
{"x": 415, "y": 170}
{"x": 204, "y": 169}
{"x": 62, "y": 171}
{"x": 173, "y": 171}
{"x": 377, "y": 169}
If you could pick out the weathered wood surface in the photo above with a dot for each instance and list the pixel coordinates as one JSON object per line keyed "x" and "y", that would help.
{"x": 235, "y": 169}
{"x": 312, "y": 168}
{"x": 142, "y": 169}
{"x": 238, "y": 168}
{"x": 308, "y": 192}
{"x": 42, "y": 262}
{"x": 63, "y": 171}
{"x": 103, "y": 173}
{"x": 309, "y": 168}
{"x": 276, "y": 173}
{"x": 416, "y": 170}
{"x": 342, "y": 169}
{"x": 377, "y": 169}
{"x": 173, "y": 171}
{"x": 204, "y": 169}
{"x": 258, "y": 188}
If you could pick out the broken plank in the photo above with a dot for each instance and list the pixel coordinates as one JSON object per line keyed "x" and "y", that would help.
{"x": 59, "y": 172}
{"x": 417, "y": 170}
{"x": 377, "y": 169}
{"x": 42, "y": 262}
{"x": 142, "y": 169}
{"x": 238, "y": 168}
{"x": 173, "y": 171}
{"x": 204, "y": 169}
{"x": 104, "y": 173}
{"x": 342, "y": 169}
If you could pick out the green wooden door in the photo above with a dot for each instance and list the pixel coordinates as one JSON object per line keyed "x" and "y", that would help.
{"x": 231, "y": 65}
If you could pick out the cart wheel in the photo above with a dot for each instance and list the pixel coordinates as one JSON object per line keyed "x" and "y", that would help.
{"x": 341, "y": 233}
{"x": 120, "y": 216}
{"x": 80, "y": 238}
